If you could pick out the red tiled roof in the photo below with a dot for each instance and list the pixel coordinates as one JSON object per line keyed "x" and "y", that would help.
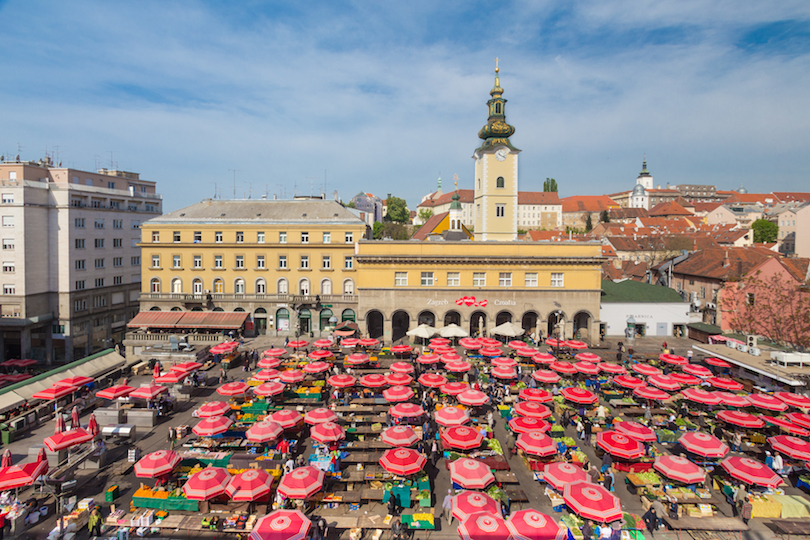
{"x": 538, "y": 197}
{"x": 587, "y": 203}
{"x": 669, "y": 208}
{"x": 628, "y": 213}
{"x": 751, "y": 198}
{"x": 429, "y": 226}
{"x": 705, "y": 207}
{"x": 787, "y": 196}
{"x": 722, "y": 264}
{"x": 465, "y": 196}
{"x": 468, "y": 195}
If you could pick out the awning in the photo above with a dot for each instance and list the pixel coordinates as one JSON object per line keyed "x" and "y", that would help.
{"x": 305, "y": 314}
{"x": 155, "y": 319}
{"x": 222, "y": 320}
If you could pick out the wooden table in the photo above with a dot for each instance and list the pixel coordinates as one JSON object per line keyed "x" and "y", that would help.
{"x": 363, "y": 419}
{"x": 368, "y": 401}
{"x": 363, "y": 430}
{"x": 638, "y": 411}
{"x": 366, "y": 445}
{"x": 361, "y": 409}
{"x": 724, "y": 524}
{"x": 506, "y": 477}
{"x": 791, "y": 527}
{"x": 362, "y": 457}
{"x": 369, "y": 494}
{"x": 345, "y": 497}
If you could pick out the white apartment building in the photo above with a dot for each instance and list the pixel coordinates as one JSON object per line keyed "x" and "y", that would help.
{"x": 536, "y": 209}
{"x": 70, "y": 258}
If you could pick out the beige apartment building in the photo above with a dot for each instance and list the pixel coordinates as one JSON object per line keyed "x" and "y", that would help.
{"x": 71, "y": 263}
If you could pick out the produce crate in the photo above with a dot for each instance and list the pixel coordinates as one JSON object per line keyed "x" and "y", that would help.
{"x": 111, "y": 494}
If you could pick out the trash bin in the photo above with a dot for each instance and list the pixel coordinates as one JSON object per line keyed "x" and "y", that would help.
{"x": 6, "y": 434}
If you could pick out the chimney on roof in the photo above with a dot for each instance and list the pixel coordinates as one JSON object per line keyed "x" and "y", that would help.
{"x": 336, "y": 196}
{"x": 617, "y": 263}
{"x": 725, "y": 260}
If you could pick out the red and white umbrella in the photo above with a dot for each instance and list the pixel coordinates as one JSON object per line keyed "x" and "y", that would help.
{"x": 697, "y": 371}
{"x": 115, "y": 392}
{"x": 233, "y": 389}
{"x": 794, "y": 400}
{"x": 55, "y": 392}
{"x": 636, "y": 431}
{"x": 740, "y": 418}
{"x": 426, "y": 359}
{"x": 649, "y": 392}
{"x": 673, "y": 359}
{"x": 664, "y": 382}
{"x": 563, "y": 367}
{"x": 791, "y": 428}
{"x": 610, "y": 367}
{"x": 619, "y": 445}
{"x": 490, "y": 351}
{"x": 287, "y": 418}
{"x": 249, "y": 485}
{"x": 269, "y": 389}
{"x": 451, "y": 416}
{"x": 516, "y": 344}
{"x": 536, "y": 443}
{"x": 292, "y": 376}
{"x": 685, "y": 378}
{"x": 186, "y": 367}
{"x": 646, "y": 369}
{"x": 791, "y": 446}
{"x": 545, "y": 376}
{"x": 206, "y": 484}
{"x": 401, "y": 349}
{"x": 319, "y": 416}
{"x": 459, "y": 367}
{"x": 208, "y": 427}
{"x": 717, "y": 362}
{"x": 281, "y": 525}
{"x": 301, "y": 483}
{"x": 22, "y": 475}
{"x": 592, "y": 501}
{"x": 504, "y": 362}
{"x": 472, "y": 502}
{"x": 471, "y": 474}
{"x": 267, "y": 375}
{"x": 349, "y": 342}
{"x": 297, "y": 343}
{"x": 224, "y": 347}
{"x": 448, "y": 354}
{"x": 322, "y": 343}
{"x": 532, "y": 409}
{"x": 374, "y": 380}
{"x": 530, "y": 524}
{"x": 483, "y": 525}
{"x": 588, "y": 368}
{"x": 369, "y": 342}
{"x": 74, "y": 381}
{"x": 316, "y": 367}
{"x": 398, "y": 393}
{"x": 402, "y": 461}
{"x": 269, "y": 363}
{"x": 341, "y": 381}
{"x": 767, "y": 402}
{"x": 679, "y": 469}
{"x": 172, "y": 377}
{"x": 800, "y": 419}
{"x": 454, "y": 388}
{"x": 264, "y": 431}
{"x": 473, "y": 398}
{"x": 60, "y": 441}
{"x": 398, "y": 379}
{"x": 575, "y": 344}
{"x": 698, "y": 395}
{"x": 489, "y": 342}
{"x": 356, "y": 359}
{"x": 74, "y": 418}
{"x": 327, "y": 432}
{"x": 526, "y": 352}
{"x": 401, "y": 367}
{"x": 703, "y": 444}
{"x": 462, "y": 437}
{"x": 432, "y": 380}
{"x": 523, "y": 424}
{"x": 399, "y": 436}
{"x": 470, "y": 343}
{"x": 213, "y": 408}
{"x": 544, "y": 358}
{"x": 732, "y": 400}
{"x": 275, "y": 352}
{"x": 628, "y": 381}
{"x": 560, "y": 473}
{"x": 157, "y": 464}
{"x": 407, "y": 410}
{"x": 579, "y": 395}
{"x": 503, "y": 373}
{"x": 724, "y": 383}
{"x": 588, "y": 357}
{"x": 751, "y": 471}
{"x": 536, "y": 394}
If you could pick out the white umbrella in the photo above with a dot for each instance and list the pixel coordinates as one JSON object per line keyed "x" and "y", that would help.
{"x": 423, "y": 331}
{"x": 508, "y": 329}
{"x": 453, "y": 331}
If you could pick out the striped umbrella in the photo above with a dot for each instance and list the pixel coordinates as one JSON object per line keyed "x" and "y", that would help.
{"x": 206, "y": 484}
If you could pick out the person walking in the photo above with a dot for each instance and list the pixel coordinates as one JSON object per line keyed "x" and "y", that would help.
{"x": 587, "y": 530}
{"x": 171, "y": 437}
{"x": 650, "y": 519}
{"x": 588, "y": 430}
{"x": 94, "y": 522}
{"x": 747, "y": 510}
{"x": 447, "y": 506}
{"x": 740, "y": 496}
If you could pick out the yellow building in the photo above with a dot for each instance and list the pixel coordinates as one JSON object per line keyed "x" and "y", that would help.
{"x": 289, "y": 264}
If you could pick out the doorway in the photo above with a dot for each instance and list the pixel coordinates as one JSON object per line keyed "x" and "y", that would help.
{"x": 374, "y": 324}
{"x": 400, "y": 321}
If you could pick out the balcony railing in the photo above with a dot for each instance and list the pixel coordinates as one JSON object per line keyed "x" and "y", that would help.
{"x": 281, "y": 298}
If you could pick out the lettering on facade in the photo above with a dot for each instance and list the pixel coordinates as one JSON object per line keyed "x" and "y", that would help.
{"x": 637, "y": 317}
{"x": 437, "y": 302}
{"x": 504, "y": 303}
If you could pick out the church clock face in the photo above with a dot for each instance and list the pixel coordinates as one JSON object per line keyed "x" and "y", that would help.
{"x": 500, "y": 155}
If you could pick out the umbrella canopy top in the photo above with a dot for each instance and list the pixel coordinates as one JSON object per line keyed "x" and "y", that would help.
{"x": 560, "y": 473}
{"x": 523, "y": 424}
{"x": 637, "y": 431}
{"x": 115, "y": 392}
{"x": 680, "y": 469}
{"x": 628, "y": 381}
{"x": 579, "y": 395}
{"x": 792, "y": 446}
{"x": 699, "y": 395}
{"x": 399, "y": 436}
{"x": 483, "y": 525}
{"x": 741, "y": 418}
{"x": 530, "y": 524}
{"x": 791, "y": 428}
{"x": 698, "y": 371}
{"x": 545, "y": 376}
{"x": 281, "y": 525}
{"x": 342, "y": 381}
{"x": 471, "y": 502}
{"x": 532, "y": 409}
{"x": 451, "y": 416}
{"x": 610, "y": 367}
{"x": 619, "y": 445}
{"x": 703, "y": 444}
{"x": 213, "y": 408}
{"x": 471, "y": 474}
{"x": 592, "y": 501}
{"x": 732, "y": 400}
{"x": 768, "y": 402}
{"x": 794, "y": 400}
{"x": 649, "y": 392}
{"x": 646, "y": 369}
{"x": 673, "y": 359}
{"x": 751, "y": 471}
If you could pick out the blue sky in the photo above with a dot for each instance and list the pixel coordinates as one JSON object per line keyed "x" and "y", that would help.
{"x": 385, "y": 96}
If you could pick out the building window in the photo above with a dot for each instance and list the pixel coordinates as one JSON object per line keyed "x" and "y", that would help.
{"x": 8, "y": 198}
{"x": 176, "y": 237}
{"x": 282, "y": 286}
{"x": 348, "y": 262}
{"x": 427, "y": 279}
{"x": 304, "y": 261}
{"x": 176, "y": 261}
{"x": 557, "y": 279}
{"x": 261, "y": 286}
{"x": 282, "y": 238}
{"x": 118, "y": 280}
{"x": 154, "y": 285}
{"x": 303, "y": 287}
{"x": 135, "y": 261}
{"x": 348, "y": 286}
{"x": 99, "y": 224}
{"x": 197, "y": 286}
{"x": 260, "y": 261}
{"x": 219, "y": 286}
{"x": 8, "y": 244}
{"x": 327, "y": 238}
{"x": 79, "y": 243}
{"x": 530, "y": 279}
{"x": 118, "y": 261}
{"x": 750, "y": 299}
{"x": 348, "y": 237}
{"x": 500, "y": 182}
{"x": 240, "y": 237}
{"x": 703, "y": 292}
{"x": 118, "y": 224}
{"x": 197, "y": 261}
{"x": 453, "y": 279}
{"x": 135, "y": 224}
{"x": 79, "y": 305}
{"x": 155, "y": 261}
{"x": 305, "y": 238}
{"x": 9, "y": 289}
{"x": 80, "y": 264}
{"x": 505, "y": 279}
{"x": 260, "y": 237}
{"x": 155, "y": 237}
{"x": 239, "y": 286}
{"x": 500, "y": 210}
{"x": 240, "y": 261}
{"x": 401, "y": 279}
{"x": 327, "y": 262}
{"x": 218, "y": 237}
{"x": 326, "y": 286}
{"x": 100, "y": 282}
{"x": 99, "y": 243}
{"x": 99, "y": 263}
{"x": 217, "y": 261}
{"x": 479, "y": 279}
{"x": 118, "y": 242}
{"x": 282, "y": 261}
{"x": 79, "y": 285}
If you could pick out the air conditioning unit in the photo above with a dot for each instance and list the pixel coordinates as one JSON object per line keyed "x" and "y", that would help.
{"x": 742, "y": 347}
{"x": 754, "y": 351}
{"x": 711, "y": 305}
{"x": 730, "y": 344}
{"x": 751, "y": 341}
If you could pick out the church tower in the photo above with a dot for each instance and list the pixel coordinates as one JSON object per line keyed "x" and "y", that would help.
{"x": 644, "y": 177}
{"x": 496, "y": 174}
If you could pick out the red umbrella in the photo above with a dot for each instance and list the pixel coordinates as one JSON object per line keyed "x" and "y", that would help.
{"x": 619, "y": 445}
{"x": 504, "y": 362}
{"x": 448, "y": 354}
{"x": 470, "y": 343}
{"x": 157, "y": 464}
{"x": 6, "y": 461}
{"x": 327, "y": 432}
{"x": 269, "y": 363}
{"x": 316, "y": 367}
{"x": 398, "y": 393}
{"x": 429, "y": 359}
{"x": 350, "y": 342}
{"x": 60, "y": 426}
{"x": 530, "y": 524}
{"x": 545, "y": 376}
{"x": 470, "y": 474}
{"x": 399, "y": 436}
{"x": 115, "y": 392}
{"x": 17, "y": 476}
{"x": 490, "y": 351}
{"x": 249, "y": 485}
{"x": 233, "y": 389}
{"x": 322, "y": 343}
{"x": 790, "y": 428}
{"x": 794, "y": 400}
{"x": 740, "y": 418}
{"x": 407, "y": 410}
{"x": 532, "y": 409}
{"x": 516, "y": 344}
{"x": 717, "y": 362}
{"x": 319, "y": 416}
{"x": 208, "y": 427}
{"x": 699, "y": 395}
{"x": 684, "y": 378}
{"x": 483, "y": 526}
{"x": 281, "y": 525}
{"x": 523, "y": 424}
{"x": 579, "y": 395}
{"x": 703, "y": 444}
{"x": 536, "y": 394}
{"x": 269, "y": 389}
{"x": 560, "y": 473}
{"x": 297, "y": 343}
{"x": 536, "y": 443}
{"x": 489, "y": 342}
{"x": 673, "y": 359}
{"x": 636, "y": 431}
{"x": 462, "y": 437}
{"x": 648, "y": 392}
{"x": 751, "y": 471}
{"x": 454, "y": 388}
{"x": 213, "y": 408}
{"x": 401, "y": 367}
{"x": 628, "y": 381}
{"x": 374, "y": 380}
{"x": 341, "y": 381}
{"x": 472, "y": 502}
{"x": 24, "y": 362}
{"x": 275, "y": 352}
{"x": 54, "y": 392}
{"x": 264, "y": 431}
{"x": 768, "y": 402}
{"x": 801, "y": 419}
{"x": 432, "y": 380}
{"x": 301, "y": 482}
{"x": 459, "y": 367}
{"x": 679, "y": 469}
{"x": 74, "y": 381}
{"x": 368, "y": 342}
{"x": 698, "y": 371}
{"x": 451, "y": 416}
{"x": 356, "y": 359}
{"x": 292, "y": 376}
{"x": 398, "y": 379}
{"x": 563, "y": 367}
{"x": 402, "y": 461}
{"x": 664, "y": 382}
{"x": 588, "y": 357}
{"x": 503, "y": 373}
{"x": 544, "y": 358}
{"x": 60, "y": 441}
{"x": 609, "y": 367}
{"x": 401, "y": 349}
{"x": 17, "y": 377}
{"x": 473, "y": 398}
{"x": 186, "y": 367}
{"x": 732, "y": 400}
{"x": 646, "y": 369}
{"x": 206, "y": 484}
{"x": 574, "y": 344}
{"x": 791, "y": 446}
{"x": 172, "y": 377}
{"x": 527, "y": 352}
{"x": 592, "y": 501}
{"x": 319, "y": 354}
{"x": 587, "y": 368}
{"x": 287, "y": 418}
{"x": 440, "y": 341}
{"x": 725, "y": 383}
{"x": 267, "y": 375}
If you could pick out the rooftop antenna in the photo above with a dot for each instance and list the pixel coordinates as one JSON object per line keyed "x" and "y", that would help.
{"x": 234, "y": 181}
{"x": 98, "y": 159}
{"x": 295, "y": 189}
{"x": 311, "y": 185}
{"x": 324, "y": 180}
{"x": 215, "y": 190}
{"x": 281, "y": 190}
{"x": 112, "y": 166}
{"x": 250, "y": 190}
{"x": 19, "y": 150}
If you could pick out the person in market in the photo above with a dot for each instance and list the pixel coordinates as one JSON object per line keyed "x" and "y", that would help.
{"x": 587, "y": 530}
{"x": 650, "y": 518}
{"x": 746, "y": 510}
{"x": 320, "y": 529}
{"x": 660, "y": 511}
{"x": 609, "y": 480}
{"x": 289, "y": 465}
{"x": 588, "y": 430}
{"x": 740, "y": 496}
{"x": 778, "y": 464}
{"x": 94, "y": 522}
{"x": 172, "y": 437}
{"x": 607, "y": 461}
{"x": 593, "y": 472}
{"x": 736, "y": 442}
{"x": 447, "y": 506}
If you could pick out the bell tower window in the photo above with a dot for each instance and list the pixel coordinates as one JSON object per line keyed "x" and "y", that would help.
{"x": 497, "y": 108}
{"x": 500, "y": 182}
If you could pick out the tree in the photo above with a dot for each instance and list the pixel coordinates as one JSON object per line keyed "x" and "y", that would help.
{"x": 394, "y": 231}
{"x": 397, "y": 210}
{"x": 377, "y": 230}
{"x": 765, "y": 231}
{"x": 550, "y": 185}
{"x": 604, "y": 217}
{"x": 588, "y": 223}
{"x": 351, "y": 204}
{"x": 425, "y": 214}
